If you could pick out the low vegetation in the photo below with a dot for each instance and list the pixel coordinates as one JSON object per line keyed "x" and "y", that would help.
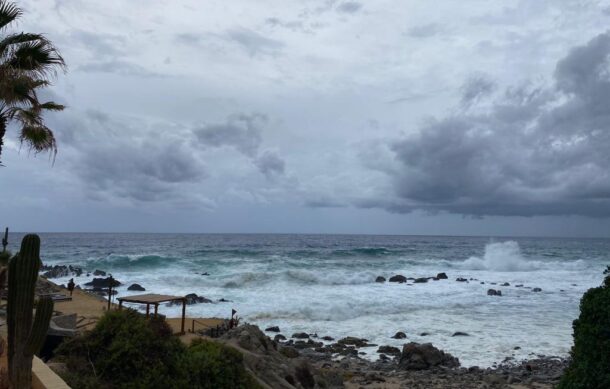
{"x": 126, "y": 350}
{"x": 590, "y": 366}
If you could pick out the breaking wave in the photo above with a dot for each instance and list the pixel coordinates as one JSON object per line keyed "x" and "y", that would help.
{"x": 501, "y": 256}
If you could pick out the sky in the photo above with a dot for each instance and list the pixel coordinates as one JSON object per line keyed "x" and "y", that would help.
{"x": 321, "y": 116}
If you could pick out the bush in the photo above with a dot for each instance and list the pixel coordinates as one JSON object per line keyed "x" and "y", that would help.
{"x": 212, "y": 365}
{"x": 4, "y": 257}
{"x": 590, "y": 366}
{"x": 126, "y": 350}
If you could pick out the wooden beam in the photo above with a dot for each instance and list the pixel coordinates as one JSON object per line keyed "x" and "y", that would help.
{"x": 183, "y": 316}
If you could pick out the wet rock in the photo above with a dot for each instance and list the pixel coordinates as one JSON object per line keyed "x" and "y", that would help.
{"x": 289, "y": 352}
{"x": 417, "y": 356}
{"x": 494, "y": 292}
{"x": 399, "y": 335}
{"x": 137, "y": 287}
{"x": 103, "y": 282}
{"x": 424, "y": 334}
{"x": 398, "y": 278}
{"x": 60, "y": 271}
{"x": 279, "y": 338}
{"x": 300, "y": 335}
{"x": 205, "y": 274}
{"x": 224, "y": 300}
{"x": 273, "y": 329}
{"x": 380, "y": 279}
{"x": 98, "y": 272}
{"x": 388, "y": 350}
{"x": 460, "y": 279}
{"x": 328, "y": 338}
{"x": 352, "y": 341}
{"x": 193, "y": 298}
{"x": 459, "y": 333}
{"x": 519, "y": 286}
{"x": 441, "y": 276}
{"x": 506, "y": 284}
{"x": 420, "y": 280}
{"x": 537, "y": 290}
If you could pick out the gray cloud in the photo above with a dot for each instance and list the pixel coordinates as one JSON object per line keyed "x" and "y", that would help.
{"x": 349, "y": 7}
{"x": 424, "y": 30}
{"x": 270, "y": 163}
{"x": 128, "y": 160}
{"x": 117, "y": 67}
{"x": 243, "y": 132}
{"x": 253, "y": 42}
{"x": 477, "y": 87}
{"x": 530, "y": 151}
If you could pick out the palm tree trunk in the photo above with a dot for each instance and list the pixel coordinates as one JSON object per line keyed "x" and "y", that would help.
{"x": 2, "y": 132}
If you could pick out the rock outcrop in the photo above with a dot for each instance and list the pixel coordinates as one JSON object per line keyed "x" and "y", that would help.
{"x": 417, "y": 356}
{"x": 398, "y": 278}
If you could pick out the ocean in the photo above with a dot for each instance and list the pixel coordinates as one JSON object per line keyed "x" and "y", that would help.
{"x": 325, "y": 284}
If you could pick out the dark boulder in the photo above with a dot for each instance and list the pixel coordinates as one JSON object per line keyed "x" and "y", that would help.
{"x": 388, "y": 350}
{"x": 273, "y": 329}
{"x": 192, "y": 298}
{"x": 537, "y": 290}
{"x": 328, "y": 338}
{"x": 380, "y": 279}
{"x": 103, "y": 282}
{"x": 458, "y": 333}
{"x": 137, "y": 287}
{"x": 420, "y": 280}
{"x": 506, "y": 284}
{"x": 424, "y": 334}
{"x": 279, "y": 338}
{"x": 398, "y": 278}
{"x": 441, "y": 276}
{"x": 352, "y": 341}
{"x": 460, "y": 279}
{"x": 417, "y": 356}
{"x": 300, "y": 335}
{"x": 494, "y": 292}
{"x": 399, "y": 335}
{"x": 98, "y": 272}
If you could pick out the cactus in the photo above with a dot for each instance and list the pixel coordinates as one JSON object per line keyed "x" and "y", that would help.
{"x": 25, "y": 337}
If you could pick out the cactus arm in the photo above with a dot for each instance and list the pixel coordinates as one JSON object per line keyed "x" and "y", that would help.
{"x": 38, "y": 333}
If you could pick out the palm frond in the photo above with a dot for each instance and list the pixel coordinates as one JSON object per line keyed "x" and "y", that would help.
{"x": 37, "y": 58}
{"x": 15, "y": 39}
{"x": 38, "y": 138}
{"x": 51, "y": 106}
{"x": 9, "y": 12}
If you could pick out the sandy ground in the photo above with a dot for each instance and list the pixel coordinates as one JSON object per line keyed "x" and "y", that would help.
{"x": 89, "y": 308}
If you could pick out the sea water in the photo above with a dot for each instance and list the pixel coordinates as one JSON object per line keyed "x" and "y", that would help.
{"x": 325, "y": 284}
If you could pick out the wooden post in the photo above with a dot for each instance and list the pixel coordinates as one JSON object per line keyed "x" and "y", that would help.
{"x": 120, "y": 304}
{"x": 147, "y": 311}
{"x": 183, "y": 315}
{"x": 193, "y": 326}
{"x": 156, "y": 307}
{"x": 5, "y": 239}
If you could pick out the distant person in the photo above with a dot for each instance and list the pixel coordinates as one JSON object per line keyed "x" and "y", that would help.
{"x": 71, "y": 286}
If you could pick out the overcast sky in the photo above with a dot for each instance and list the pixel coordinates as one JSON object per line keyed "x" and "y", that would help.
{"x": 331, "y": 116}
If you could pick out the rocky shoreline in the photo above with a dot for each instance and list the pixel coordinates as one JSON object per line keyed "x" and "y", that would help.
{"x": 278, "y": 363}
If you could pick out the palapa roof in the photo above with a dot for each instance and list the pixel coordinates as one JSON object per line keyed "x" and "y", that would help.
{"x": 151, "y": 298}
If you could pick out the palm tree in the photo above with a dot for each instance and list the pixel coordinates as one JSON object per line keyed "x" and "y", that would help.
{"x": 27, "y": 63}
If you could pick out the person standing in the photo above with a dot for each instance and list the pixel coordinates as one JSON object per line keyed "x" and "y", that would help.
{"x": 71, "y": 286}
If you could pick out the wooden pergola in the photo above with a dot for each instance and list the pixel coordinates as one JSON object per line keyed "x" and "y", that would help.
{"x": 155, "y": 299}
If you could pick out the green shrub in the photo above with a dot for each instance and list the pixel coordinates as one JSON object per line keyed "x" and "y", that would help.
{"x": 590, "y": 366}
{"x": 212, "y": 365}
{"x": 125, "y": 350}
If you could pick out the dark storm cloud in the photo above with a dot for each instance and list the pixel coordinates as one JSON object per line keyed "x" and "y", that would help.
{"x": 349, "y": 7}
{"x": 129, "y": 160}
{"x": 476, "y": 87}
{"x": 527, "y": 151}
{"x": 243, "y": 132}
{"x": 270, "y": 164}
{"x": 253, "y": 42}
